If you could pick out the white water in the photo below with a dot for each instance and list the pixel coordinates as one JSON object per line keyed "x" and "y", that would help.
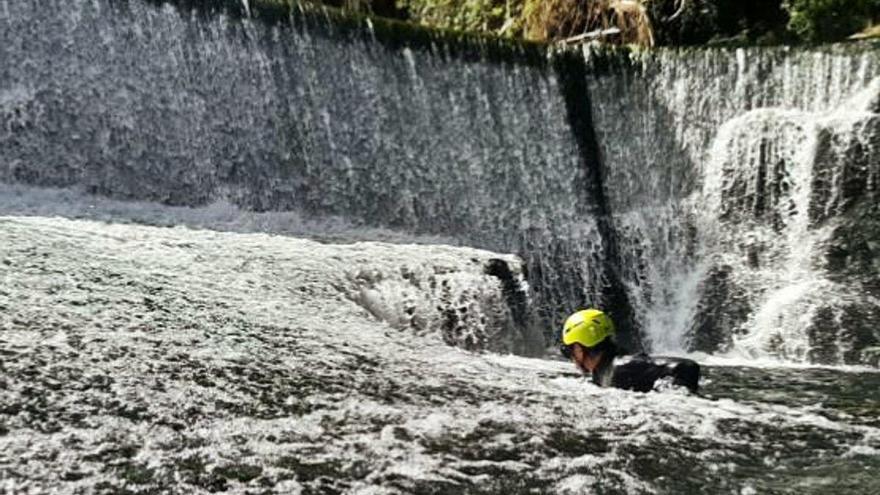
{"x": 166, "y": 357}
{"x": 690, "y": 141}
{"x": 777, "y": 256}
{"x": 147, "y": 102}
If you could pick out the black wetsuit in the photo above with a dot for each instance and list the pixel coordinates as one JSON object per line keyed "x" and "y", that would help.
{"x": 639, "y": 372}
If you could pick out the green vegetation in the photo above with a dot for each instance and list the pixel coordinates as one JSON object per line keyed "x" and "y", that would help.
{"x": 831, "y": 20}
{"x": 351, "y": 23}
{"x": 639, "y": 22}
{"x": 536, "y": 20}
{"x": 357, "y": 21}
{"x": 492, "y": 16}
{"x": 643, "y": 22}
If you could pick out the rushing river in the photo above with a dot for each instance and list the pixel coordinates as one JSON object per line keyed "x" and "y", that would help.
{"x": 149, "y": 360}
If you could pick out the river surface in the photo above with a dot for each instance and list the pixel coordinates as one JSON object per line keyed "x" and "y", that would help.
{"x": 140, "y": 359}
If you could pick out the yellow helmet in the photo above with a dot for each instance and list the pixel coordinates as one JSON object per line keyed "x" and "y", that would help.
{"x": 588, "y": 327}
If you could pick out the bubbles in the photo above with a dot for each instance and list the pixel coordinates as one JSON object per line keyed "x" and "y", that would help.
{"x": 206, "y": 359}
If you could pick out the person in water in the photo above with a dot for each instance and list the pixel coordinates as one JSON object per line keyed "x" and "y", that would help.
{"x": 588, "y": 340}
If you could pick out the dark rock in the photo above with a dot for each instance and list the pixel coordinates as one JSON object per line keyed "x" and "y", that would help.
{"x": 845, "y": 198}
{"x": 845, "y": 169}
{"x": 844, "y": 334}
{"x": 513, "y": 292}
{"x": 723, "y": 307}
{"x": 852, "y": 254}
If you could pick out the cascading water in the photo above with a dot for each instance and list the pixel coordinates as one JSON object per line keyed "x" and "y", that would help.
{"x": 140, "y": 101}
{"x": 756, "y": 198}
{"x": 598, "y": 172}
{"x": 779, "y": 185}
{"x": 716, "y": 164}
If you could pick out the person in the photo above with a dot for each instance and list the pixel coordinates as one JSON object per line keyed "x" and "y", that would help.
{"x": 588, "y": 340}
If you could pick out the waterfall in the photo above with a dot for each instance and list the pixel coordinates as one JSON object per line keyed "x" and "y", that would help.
{"x": 152, "y": 101}
{"x": 775, "y": 190}
{"x": 710, "y": 199}
{"x": 727, "y": 171}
